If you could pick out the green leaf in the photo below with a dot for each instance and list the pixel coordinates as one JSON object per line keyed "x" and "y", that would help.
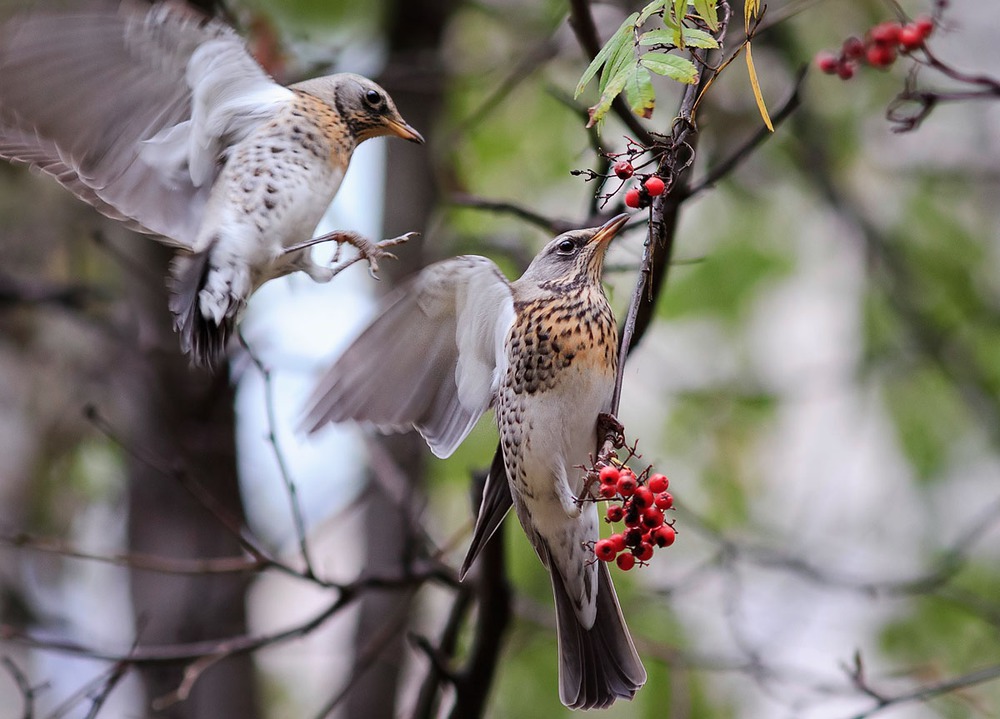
{"x": 623, "y": 56}
{"x": 639, "y": 92}
{"x": 676, "y": 68}
{"x": 692, "y": 38}
{"x": 615, "y": 85}
{"x": 707, "y": 11}
{"x": 622, "y": 35}
{"x": 679, "y": 11}
{"x": 649, "y": 11}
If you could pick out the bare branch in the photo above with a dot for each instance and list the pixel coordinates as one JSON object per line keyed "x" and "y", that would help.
{"x": 146, "y": 562}
{"x": 279, "y": 457}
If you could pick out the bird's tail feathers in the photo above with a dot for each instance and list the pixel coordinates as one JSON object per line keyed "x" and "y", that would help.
{"x": 202, "y": 338}
{"x": 600, "y": 664}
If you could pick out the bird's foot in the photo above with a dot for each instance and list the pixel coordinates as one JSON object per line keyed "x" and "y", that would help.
{"x": 375, "y": 251}
{"x": 367, "y": 250}
{"x": 609, "y": 427}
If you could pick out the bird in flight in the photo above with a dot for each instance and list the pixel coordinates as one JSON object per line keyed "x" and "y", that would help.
{"x": 159, "y": 117}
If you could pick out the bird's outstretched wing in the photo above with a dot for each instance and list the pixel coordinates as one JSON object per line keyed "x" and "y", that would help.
{"x": 430, "y": 360}
{"x": 129, "y": 107}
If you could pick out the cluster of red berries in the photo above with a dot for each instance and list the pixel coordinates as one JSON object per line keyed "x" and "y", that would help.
{"x": 880, "y": 47}
{"x": 641, "y": 196}
{"x": 640, "y": 504}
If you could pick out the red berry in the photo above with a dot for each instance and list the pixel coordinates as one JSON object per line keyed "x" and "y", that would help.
{"x": 652, "y": 517}
{"x": 664, "y": 500}
{"x": 924, "y": 25}
{"x": 615, "y": 513}
{"x": 910, "y": 38}
{"x": 623, "y": 169}
{"x": 845, "y": 70}
{"x": 655, "y": 186}
{"x": 605, "y": 550}
{"x": 609, "y": 475}
{"x": 644, "y": 552}
{"x": 618, "y": 542}
{"x": 627, "y": 484}
{"x": 632, "y": 198}
{"x": 642, "y": 498}
{"x": 885, "y": 33}
{"x": 658, "y": 483}
{"x": 881, "y": 55}
{"x": 609, "y": 491}
{"x": 663, "y": 536}
{"x": 632, "y": 516}
{"x": 625, "y": 561}
{"x": 633, "y": 537}
{"x": 853, "y": 49}
{"x": 827, "y": 62}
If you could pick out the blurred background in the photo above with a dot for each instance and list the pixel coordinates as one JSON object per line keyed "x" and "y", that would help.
{"x": 821, "y": 384}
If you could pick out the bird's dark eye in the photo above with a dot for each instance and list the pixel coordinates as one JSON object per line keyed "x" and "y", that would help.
{"x": 566, "y": 247}
{"x": 373, "y": 98}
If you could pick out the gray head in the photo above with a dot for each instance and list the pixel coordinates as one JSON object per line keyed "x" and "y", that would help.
{"x": 367, "y": 108}
{"x": 573, "y": 258}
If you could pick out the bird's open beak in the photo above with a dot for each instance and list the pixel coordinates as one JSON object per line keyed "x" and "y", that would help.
{"x": 607, "y": 231}
{"x": 399, "y": 128}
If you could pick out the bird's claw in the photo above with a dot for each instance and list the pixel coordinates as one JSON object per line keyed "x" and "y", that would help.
{"x": 609, "y": 426}
{"x": 375, "y": 251}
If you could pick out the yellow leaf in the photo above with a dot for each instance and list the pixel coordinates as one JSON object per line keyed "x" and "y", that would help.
{"x": 750, "y": 10}
{"x": 756, "y": 90}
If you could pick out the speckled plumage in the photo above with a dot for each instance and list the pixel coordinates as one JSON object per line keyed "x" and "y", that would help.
{"x": 159, "y": 117}
{"x": 543, "y": 352}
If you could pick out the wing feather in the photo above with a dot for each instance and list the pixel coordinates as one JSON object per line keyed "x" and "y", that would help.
{"x": 430, "y": 359}
{"x": 102, "y": 98}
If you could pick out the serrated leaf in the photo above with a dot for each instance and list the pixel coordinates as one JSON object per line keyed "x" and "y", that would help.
{"x": 639, "y": 92}
{"x": 648, "y": 11}
{"x": 676, "y": 68}
{"x": 622, "y": 35}
{"x": 614, "y": 87}
{"x": 692, "y": 38}
{"x": 659, "y": 37}
{"x": 707, "y": 11}
{"x": 761, "y": 107}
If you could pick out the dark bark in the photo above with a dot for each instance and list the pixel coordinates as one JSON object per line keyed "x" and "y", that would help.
{"x": 182, "y": 420}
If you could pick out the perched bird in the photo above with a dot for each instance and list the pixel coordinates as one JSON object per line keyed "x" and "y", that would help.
{"x": 159, "y": 117}
{"x": 543, "y": 352}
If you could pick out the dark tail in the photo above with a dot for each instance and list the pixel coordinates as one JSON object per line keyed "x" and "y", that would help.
{"x": 202, "y": 339}
{"x": 600, "y": 664}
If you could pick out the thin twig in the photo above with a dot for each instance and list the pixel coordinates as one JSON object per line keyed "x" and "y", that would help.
{"x": 23, "y": 686}
{"x": 201, "y": 495}
{"x": 279, "y": 456}
{"x": 146, "y": 562}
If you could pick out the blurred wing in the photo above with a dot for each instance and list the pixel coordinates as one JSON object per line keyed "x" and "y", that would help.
{"x": 129, "y": 107}
{"x": 430, "y": 360}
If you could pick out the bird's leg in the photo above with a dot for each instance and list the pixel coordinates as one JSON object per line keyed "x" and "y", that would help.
{"x": 367, "y": 250}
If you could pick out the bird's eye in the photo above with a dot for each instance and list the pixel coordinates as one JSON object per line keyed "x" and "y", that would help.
{"x": 566, "y": 247}
{"x": 373, "y": 98}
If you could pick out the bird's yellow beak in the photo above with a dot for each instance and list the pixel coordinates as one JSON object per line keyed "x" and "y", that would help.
{"x": 606, "y": 232}
{"x": 400, "y": 128}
